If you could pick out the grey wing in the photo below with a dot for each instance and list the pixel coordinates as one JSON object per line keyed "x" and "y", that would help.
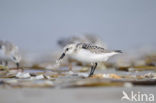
{"x": 93, "y": 48}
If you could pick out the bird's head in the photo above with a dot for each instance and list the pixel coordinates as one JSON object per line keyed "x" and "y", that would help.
{"x": 68, "y": 50}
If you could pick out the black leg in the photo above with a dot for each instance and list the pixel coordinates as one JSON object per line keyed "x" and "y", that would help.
{"x": 1, "y": 62}
{"x": 93, "y": 69}
{"x": 6, "y": 63}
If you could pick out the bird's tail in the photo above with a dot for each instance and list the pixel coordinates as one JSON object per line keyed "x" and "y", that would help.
{"x": 118, "y": 51}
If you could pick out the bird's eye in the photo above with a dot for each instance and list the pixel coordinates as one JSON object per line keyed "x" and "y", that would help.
{"x": 14, "y": 58}
{"x": 67, "y": 49}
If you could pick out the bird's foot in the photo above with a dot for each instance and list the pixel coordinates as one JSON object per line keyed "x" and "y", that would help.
{"x": 90, "y": 75}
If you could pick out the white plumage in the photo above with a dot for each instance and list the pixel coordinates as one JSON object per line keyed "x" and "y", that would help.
{"x": 85, "y": 55}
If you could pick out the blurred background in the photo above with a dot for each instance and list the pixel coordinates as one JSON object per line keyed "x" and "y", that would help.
{"x": 36, "y": 25}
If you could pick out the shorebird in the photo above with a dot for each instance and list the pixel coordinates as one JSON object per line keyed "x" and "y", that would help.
{"x": 86, "y": 38}
{"x": 88, "y": 53}
{"x": 9, "y": 52}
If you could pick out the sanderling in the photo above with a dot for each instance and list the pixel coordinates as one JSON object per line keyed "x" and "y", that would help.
{"x": 88, "y": 53}
{"x": 86, "y": 38}
{"x": 9, "y": 52}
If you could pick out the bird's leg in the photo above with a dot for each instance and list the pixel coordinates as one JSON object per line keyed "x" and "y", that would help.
{"x": 90, "y": 74}
{"x": 19, "y": 69}
{"x": 6, "y": 63}
{"x": 1, "y": 63}
{"x": 93, "y": 69}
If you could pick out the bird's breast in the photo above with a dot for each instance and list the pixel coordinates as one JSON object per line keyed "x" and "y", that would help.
{"x": 87, "y": 56}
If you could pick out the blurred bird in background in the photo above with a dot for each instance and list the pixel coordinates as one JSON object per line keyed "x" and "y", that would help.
{"x": 9, "y": 52}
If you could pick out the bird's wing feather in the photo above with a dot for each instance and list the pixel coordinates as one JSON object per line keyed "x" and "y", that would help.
{"x": 92, "y": 48}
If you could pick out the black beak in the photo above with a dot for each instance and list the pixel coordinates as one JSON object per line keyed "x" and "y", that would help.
{"x": 17, "y": 64}
{"x": 62, "y": 56}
